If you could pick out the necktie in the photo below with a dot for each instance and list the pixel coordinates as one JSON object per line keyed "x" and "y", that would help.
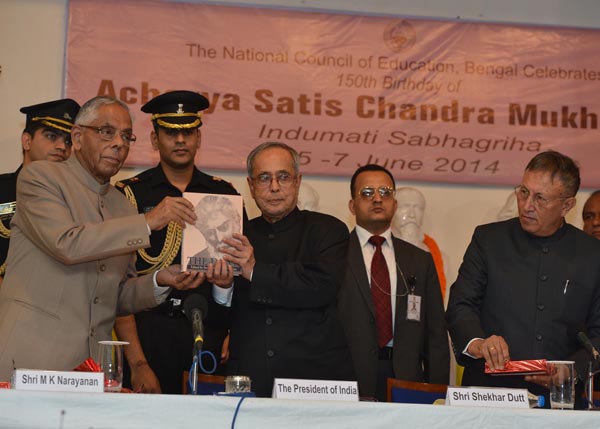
{"x": 381, "y": 293}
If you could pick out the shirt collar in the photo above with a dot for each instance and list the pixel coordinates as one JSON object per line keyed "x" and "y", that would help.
{"x": 86, "y": 177}
{"x": 364, "y": 235}
{"x": 281, "y": 225}
{"x": 159, "y": 178}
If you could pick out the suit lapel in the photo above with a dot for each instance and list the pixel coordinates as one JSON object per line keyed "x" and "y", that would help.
{"x": 356, "y": 265}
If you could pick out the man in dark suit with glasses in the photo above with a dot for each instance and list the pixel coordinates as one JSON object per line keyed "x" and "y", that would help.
{"x": 390, "y": 303}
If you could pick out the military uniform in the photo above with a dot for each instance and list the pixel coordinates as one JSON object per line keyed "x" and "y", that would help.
{"x": 8, "y": 197}
{"x": 57, "y": 115}
{"x": 165, "y": 333}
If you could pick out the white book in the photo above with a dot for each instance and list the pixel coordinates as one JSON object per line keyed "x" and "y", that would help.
{"x": 219, "y": 216}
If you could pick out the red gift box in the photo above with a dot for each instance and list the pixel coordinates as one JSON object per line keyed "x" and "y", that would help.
{"x": 520, "y": 367}
{"x": 88, "y": 365}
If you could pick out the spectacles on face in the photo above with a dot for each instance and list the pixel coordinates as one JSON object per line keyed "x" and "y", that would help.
{"x": 108, "y": 134}
{"x": 384, "y": 192}
{"x": 53, "y": 137}
{"x": 174, "y": 132}
{"x": 283, "y": 179}
{"x": 539, "y": 200}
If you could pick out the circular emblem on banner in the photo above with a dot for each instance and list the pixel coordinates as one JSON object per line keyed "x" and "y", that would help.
{"x": 400, "y": 36}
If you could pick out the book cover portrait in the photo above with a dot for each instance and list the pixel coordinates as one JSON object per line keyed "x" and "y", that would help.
{"x": 219, "y": 216}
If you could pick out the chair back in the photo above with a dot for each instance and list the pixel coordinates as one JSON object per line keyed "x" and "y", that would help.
{"x": 411, "y": 392}
{"x": 207, "y": 384}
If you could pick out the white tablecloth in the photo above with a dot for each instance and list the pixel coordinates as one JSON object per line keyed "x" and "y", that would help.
{"x": 26, "y": 409}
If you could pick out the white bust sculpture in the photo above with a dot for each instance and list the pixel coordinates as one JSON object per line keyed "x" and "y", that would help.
{"x": 308, "y": 198}
{"x": 509, "y": 210}
{"x": 408, "y": 219}
{"x": 407, "y": 225}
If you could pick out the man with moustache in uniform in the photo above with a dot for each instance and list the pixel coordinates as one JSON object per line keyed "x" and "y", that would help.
{"x": 47, "y": 135}
{"x": 165, "y": 335}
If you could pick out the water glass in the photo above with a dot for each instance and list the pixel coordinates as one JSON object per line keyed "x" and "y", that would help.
{"x": 237, "y": 384}
{"x": 562, "y": 384}
{"x": 111, "y": 361}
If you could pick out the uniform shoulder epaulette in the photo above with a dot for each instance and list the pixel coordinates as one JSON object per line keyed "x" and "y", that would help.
{"x": 125, "y": 187}
{"x": 130, "y": 181}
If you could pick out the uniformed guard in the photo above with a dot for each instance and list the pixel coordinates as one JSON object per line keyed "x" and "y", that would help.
{"x": 47, "y": 135}
{"x": 164, "y": 332}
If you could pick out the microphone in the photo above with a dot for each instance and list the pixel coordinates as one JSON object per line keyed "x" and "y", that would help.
{"x": 578, "y": 332}
{"x": 196, "y": 309}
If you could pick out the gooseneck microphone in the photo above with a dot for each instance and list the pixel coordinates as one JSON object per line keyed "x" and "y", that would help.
{"x": 578, "y": 333}
{"x": 196, "y": 310}
{"x": 585, "y": 342}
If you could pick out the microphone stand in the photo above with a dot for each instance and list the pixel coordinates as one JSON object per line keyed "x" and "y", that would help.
{"x": 590, "y": 385}
{"x": 194, "y": 375}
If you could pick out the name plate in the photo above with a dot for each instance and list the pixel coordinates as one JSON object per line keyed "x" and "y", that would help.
{"x": 487, "y": 397}
{"x": 58, "y": 381}
{"x": 324, "y": 390}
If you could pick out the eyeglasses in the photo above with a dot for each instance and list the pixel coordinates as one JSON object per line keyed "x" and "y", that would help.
{"x": 283, "y": 179}
{"x": 539, "y": 200}
{"x": 108, "y": 134}
{"x": 384, "y": 192}
{"x": 53, "y": 137}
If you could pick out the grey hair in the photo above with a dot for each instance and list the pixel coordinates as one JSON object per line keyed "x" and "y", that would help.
{"x": 215, "y": 204}
{"x": 89, "y": 111}
{"x": 268, "y": 145}
{"x": 559, "y": 166}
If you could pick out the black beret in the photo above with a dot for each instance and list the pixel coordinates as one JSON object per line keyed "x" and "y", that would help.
{"x": 177, "y": 109}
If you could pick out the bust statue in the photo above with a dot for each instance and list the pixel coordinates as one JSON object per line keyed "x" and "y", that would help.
{"x": 509, "y": 209}
{"x": 308, "y": 198}
{"x": 408, "y": 219}
{"x": 407, "y": 223}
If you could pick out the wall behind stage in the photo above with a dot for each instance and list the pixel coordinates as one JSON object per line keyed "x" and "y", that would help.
{"x": 32, "y": 40}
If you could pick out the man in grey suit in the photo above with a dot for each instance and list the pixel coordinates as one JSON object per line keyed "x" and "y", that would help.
{"x": 393, "y": 315}
{"x": 71, "y": 260}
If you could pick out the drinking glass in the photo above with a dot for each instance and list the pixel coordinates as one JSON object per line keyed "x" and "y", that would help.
{"x": 562, "y": 384}
{"x": 237, "y": 384}
{"x": 110, "y": 355}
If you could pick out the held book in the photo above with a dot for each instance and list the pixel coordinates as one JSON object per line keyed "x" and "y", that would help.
{"x": 219, "y": 216}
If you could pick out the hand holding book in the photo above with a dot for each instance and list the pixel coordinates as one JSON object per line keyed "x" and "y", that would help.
{"x": 241, "y": 253}
{"x": 218, "y": 218}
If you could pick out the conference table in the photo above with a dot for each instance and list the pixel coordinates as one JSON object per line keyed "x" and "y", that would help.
{"x": 32, "y": 409}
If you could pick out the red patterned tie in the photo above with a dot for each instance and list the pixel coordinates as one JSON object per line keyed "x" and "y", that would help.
{"x": 381, "y": 293}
